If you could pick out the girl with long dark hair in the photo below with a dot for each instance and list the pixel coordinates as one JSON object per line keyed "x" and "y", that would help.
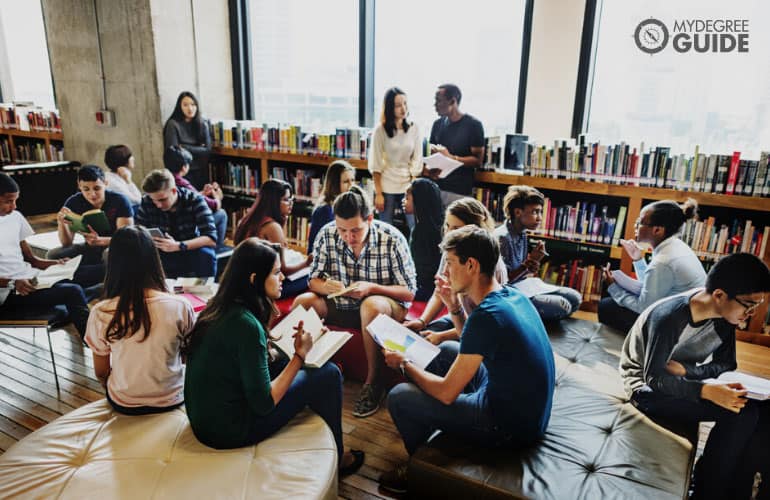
{"x": 230, "y": 397}
{"x": 136, "y": 331}
{"x": 187, "y": 128}
{"x": 339, "y": 177}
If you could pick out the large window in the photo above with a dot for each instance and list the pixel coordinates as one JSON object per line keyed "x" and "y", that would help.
{"x": 25, "y": 73}
{"x": 305, "y": 62}
{"x": 475, "y": 45}
{"x": 718, "y": 100}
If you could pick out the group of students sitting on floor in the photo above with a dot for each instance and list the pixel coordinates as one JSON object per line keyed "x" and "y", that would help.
{"x": 238, "y": 390}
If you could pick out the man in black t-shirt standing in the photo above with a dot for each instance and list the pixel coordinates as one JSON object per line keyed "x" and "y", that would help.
{"x": 459, "y": 136}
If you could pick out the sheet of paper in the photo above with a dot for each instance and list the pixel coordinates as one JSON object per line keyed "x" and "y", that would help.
{"x": 392, "y": 335}
{"x": 626, "y": 282}
{"x": 305, "y": 271}
{"x": 54, "y": 274}
{"x": 444, "y": 163}
{"x": 534, "y": 286}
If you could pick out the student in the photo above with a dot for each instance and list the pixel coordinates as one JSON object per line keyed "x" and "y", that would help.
{"x": 19, "y": 266}
{"x": 674, "y": 266}
{"x": 189, "y": 236}
{"x": 138, "y": 324}
{"x": 681, "y": 340}
{"x": 230, "y": 397}
{"x": 120, "y": 162}
{"x": 423, "y": 201}
{"x": 339, "y": 177}
{"x": 459, "y": 136}
{"x": 523, "y": 207}
{"x": 186, "y": 127}
{"x": 460, "y": 213}
{"x": 266, "y": 219}
{"x": 93, "y": 194}
{"x": 493, "y": 388}
{"x": 373, "y": 260}
{"x": 395, "y": 155}
{"x": 177, "y": 161}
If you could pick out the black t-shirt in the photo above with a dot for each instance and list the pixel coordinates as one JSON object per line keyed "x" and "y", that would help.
{"x": 458, "y": 137}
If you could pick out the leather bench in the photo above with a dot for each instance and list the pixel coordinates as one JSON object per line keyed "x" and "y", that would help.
{"x": 597, "y": 445}
{"x": 93, "y": 452}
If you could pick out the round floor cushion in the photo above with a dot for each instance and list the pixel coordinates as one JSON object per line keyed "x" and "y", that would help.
{"x": 93, "y": 452}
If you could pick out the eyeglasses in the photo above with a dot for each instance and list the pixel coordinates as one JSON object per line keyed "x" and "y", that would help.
{"x": 639, "y": 224}
{"x": 749, "y": 307}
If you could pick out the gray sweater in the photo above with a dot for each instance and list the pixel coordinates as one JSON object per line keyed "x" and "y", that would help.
{"x": 665, "y": 331}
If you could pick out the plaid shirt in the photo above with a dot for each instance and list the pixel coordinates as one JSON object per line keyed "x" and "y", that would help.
{"x": 190, "y": 219}
{"x": 384, "y": 260}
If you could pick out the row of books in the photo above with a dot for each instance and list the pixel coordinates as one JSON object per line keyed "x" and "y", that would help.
{"x": 32, "y": 152}
{"x": 306, "y": 183}
{"x": 240, "y": 134}
{"x": 236, "y": 178}
{"x": 624, "y": 164}
{"x": 586, "y": 279}
{"x": 710, "y": 241}
{"x": 298, "y": 230}
{"x": 26, "y": 116}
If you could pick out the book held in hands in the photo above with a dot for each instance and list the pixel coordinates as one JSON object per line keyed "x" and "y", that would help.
{"x": 325, "y": 345}
{"x": 390, "y": 334}
{"x": 56, "y": 273}
{"x": 95, "y": 218}
{"x": 758, "y": 388}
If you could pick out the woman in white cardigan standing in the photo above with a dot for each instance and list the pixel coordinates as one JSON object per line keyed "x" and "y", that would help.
{"x": 395, "y": 155}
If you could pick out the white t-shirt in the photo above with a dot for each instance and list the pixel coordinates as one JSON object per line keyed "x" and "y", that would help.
{"x": 397, "y": 158}
{"x": 14, "y": 228}
{"x": 145, "y": 372}
{"x": 119, "y": 185}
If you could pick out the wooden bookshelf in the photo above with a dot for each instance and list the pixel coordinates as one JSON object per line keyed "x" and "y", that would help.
{"x": 13, "y": 136}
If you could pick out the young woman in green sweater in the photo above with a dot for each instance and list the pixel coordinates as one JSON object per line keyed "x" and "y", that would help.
{"x": 231, "y": 398}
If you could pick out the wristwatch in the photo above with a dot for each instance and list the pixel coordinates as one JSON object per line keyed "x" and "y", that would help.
{"x": 182, "y": 246}
{"x": 402, "y": 366}
{"x": 11, "y": 284}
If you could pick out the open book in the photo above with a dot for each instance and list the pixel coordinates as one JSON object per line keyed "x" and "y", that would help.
{"x": 444, "y": 163}
{"x": 759, "y": 388}
{"x": 342, "y": 292}
{"x": 324, "y": 344}
{"x": 390, "y": 334}
{"x": 626, "y": 282}
{"x": 534, "y": 286}
{"x": 56, "y": 273}
{"x": 94, "y": 218}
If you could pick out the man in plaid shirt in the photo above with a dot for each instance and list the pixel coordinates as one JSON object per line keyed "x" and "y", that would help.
{"x": 187, "y": 247}
{"x": 370, "y": 262}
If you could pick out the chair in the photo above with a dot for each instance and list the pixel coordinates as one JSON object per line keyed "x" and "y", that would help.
{"x": 35, "y": 317}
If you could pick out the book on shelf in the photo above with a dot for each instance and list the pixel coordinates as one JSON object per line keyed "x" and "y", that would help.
{"x": 392, "y": 335}
{"x": 758, "y": 388}
{"x": 95, "y": 218}
{"x": 325, "y": 343}
{"x": 586, "y": 279}
{"x": 710, "y": 240}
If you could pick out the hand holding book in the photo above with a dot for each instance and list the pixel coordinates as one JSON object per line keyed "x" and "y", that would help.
{"x": 303, "y": 341}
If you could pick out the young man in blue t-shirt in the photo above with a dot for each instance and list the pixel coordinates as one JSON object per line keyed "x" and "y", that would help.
{"x": 495, "y": 386}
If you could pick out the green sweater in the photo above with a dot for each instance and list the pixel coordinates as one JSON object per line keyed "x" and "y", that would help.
{"x": 227, "y": 383}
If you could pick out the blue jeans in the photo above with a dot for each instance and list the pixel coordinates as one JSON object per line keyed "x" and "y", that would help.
{"x": 557, "y": 305}
{"x": 318, "y": 388}
{"x": 64, "y": 293}
{"x": 220, "y": 221}
{"x": 618, "y": 317}
{"x": 717, "y": 469}
{"x": 417, "y": 415}
{"x": 292, "y": 288}
{"x": 199, "y": 263}
{"x": 392, "y": 202}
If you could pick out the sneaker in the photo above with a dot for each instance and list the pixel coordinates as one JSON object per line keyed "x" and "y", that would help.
{"x": 395, "y": 481}
{"x": 368, "y": 401}
{"x": 358, "y": 461}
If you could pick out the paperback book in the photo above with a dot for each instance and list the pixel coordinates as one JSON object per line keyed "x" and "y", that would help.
{"x": 325, "y": 343}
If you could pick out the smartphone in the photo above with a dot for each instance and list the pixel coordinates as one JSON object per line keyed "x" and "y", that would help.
{"x": 155, "y": 232}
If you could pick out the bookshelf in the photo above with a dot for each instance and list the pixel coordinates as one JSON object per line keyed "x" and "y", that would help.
{"x": 30, "y": 146}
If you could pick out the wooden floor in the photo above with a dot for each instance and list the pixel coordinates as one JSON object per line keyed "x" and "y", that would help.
{"x": 28, "y": 398}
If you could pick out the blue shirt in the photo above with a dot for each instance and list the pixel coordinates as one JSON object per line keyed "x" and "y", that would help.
{"x": 513, "y": 247}
{"x": 507, "y": 331}
{"x": 115, "y": 205}
{"x": 322, "y": 215}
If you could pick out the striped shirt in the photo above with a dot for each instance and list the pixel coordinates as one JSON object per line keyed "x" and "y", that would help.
{"x": 190, "y": 218}
{"x": 385, "y": 260}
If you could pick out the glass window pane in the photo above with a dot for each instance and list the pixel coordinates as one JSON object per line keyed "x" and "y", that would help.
{"x": 475, "y": 45}
{"x": 25, "y": 73}
{"x": 305, "y": 62}
{"x": 719, "y": 101}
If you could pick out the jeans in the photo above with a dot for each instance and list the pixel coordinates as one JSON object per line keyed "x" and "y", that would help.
{"x": 558, "y": 304}
{"x": 417, "y": 415}
{"x": 717, "y": 470}
{"x": 199, "y": 263}
{"x": 393, "y": 202}
{"x": 618, "y": 317}
{"x": 220, "y": 221}
{"x": 441, "y": 324}
{"x": 64, "y": 293}
{"x": 292, "y": 288}
{"x": 318, "y": 388}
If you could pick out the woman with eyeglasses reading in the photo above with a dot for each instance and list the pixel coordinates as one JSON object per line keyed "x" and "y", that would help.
{"x": 674, "y": 267}
{"x": 266, "y": 219}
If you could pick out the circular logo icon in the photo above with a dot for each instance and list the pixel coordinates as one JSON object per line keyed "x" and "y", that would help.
{"x": 651, "y": 36}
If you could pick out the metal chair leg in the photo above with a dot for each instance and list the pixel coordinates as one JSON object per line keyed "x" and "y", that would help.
{"x": 53, "y": 362}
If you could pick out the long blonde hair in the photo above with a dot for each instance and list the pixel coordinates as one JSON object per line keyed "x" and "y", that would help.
{"x": 471, "y": 211}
